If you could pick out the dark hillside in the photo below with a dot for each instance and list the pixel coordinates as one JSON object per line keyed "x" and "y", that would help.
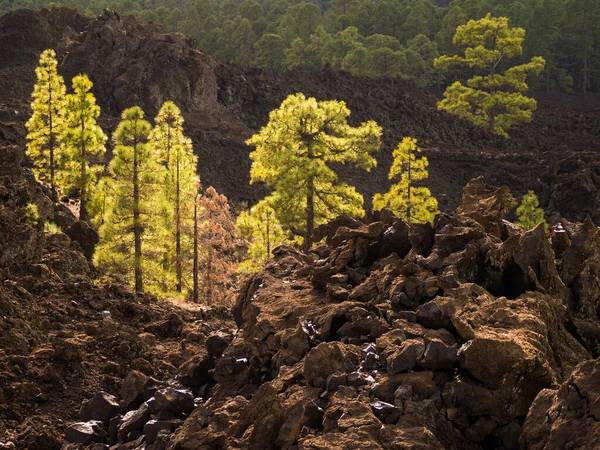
{"x": 131, "y": 63}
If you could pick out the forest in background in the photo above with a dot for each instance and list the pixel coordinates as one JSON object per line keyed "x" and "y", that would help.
{"x": 389, "y": 38}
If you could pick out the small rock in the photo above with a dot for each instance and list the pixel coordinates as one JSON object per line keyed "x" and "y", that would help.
{"x": 171, "y": 401}
{"x": 386, "y": 412}
{"x": 134, "y": 420}
{"x": 404, "y": 392}
{"x": 355, "y": 379}
{"x": 406, "y": 356}
{"x": 86, "y": 433}
{"x": 217, "y": 342}
{"x": 154, "y": 427}
{"x": 334, "y": 381}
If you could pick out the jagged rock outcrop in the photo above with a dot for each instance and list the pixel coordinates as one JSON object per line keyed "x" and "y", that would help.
{"x": 567, "y": 418}
{"x": 445, "y": 345}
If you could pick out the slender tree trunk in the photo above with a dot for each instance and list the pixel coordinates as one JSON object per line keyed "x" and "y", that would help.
{"x": 208, "y": 278}
{"x": 137, "y": 226}
{"x": 196, "y": 265}
{"x": 82, "y": 190}
{"x": 51, "y": 145}
{"x": 408, "y": 201}
{"x": 178, "y": 223}
{"x": 310, "y": 216}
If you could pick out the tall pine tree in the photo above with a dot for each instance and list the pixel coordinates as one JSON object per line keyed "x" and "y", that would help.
{"x": 48, "y": 101}
{"x": 293, "y": 153}
{"x": 130, "y": 215}
{"x": 82, "y": 143}
{"x": 412, "y": 203}
{"x": 176, "y": 153}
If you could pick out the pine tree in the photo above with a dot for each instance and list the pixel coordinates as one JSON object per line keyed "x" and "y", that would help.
{"x": 490, "y": 100}
{"x": 292, "y": 155}
{"x": 413, "y": 203}
{"x": 47, "y": 106}
{"x": 82, "y": 143}
{"x": 263, "y": 232}
{"x": 176, "y": 153}
{"x": 218, "y": 248}
{"x": 130, "y": 217}
{"x": 529, "y": 212}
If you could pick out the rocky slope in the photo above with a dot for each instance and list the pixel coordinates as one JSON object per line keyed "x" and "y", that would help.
{"x": 63, "y": 336}
{"x": 131, "y": 63}
{"x": 471, "y": 334}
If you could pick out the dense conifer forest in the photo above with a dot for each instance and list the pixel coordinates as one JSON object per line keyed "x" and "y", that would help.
{"x": 389, "y": 38}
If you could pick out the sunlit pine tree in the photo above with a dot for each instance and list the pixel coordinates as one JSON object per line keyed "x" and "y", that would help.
{"x": 44, "y": 125}
{"x": 82, "y": 143}
{"x": 404, "y": 199}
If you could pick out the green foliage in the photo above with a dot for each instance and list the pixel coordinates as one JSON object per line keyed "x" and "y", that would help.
{"x": 44, "y": 126}
{"x": 82, "y": 143}
{"x": 490, "y": 99}
{"x": 292, "y": 155}
{"x": 51, "y": 228}
{"x": 529, "y": 213}
{"x": 130, "y": 228}
{"x": 176, "y": 155}
{"x": 263, "y": 232}
{"x": 32, "y": 215}
{"x": 404, "y": 199}
{"x": 566, "y": 33}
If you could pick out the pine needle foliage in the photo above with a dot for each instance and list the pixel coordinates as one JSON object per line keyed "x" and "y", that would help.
{"x": 292, "y": 156}
{"x": 176, "y": 154}
{"x": 130, "y": 218}
{"x": 82, "y": 143}
{"x": 44, "y": 125}
{"x": 491, "y": 99}
{"x": 412, "y": 203}
{"x": 262, "y": 232}
{"x": 529, "y": 213}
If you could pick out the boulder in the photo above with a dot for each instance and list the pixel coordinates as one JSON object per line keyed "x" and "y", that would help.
{"x": 134, "y": 421}
{"x": 569, "y": 417}
{"x": 329, "y": 358}
{"x": 101, "y": 407}
{"x": 171, "y": 401}
{"x": 406, "y": 356}
{"x": 217, "y": 342}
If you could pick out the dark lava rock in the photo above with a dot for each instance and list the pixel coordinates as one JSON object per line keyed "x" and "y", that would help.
{"x": 217, "y": 342}
{"x": 86, "y": 433}
{"x": 171, "y": 401}
{"x": 134, "y": 421}
{"x": 101, "y": 407}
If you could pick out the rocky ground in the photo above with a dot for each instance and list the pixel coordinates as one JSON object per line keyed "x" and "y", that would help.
{"x": 469, "y": 334}
{"x": 64, "y": 336}
{"x": 557, "y": 155}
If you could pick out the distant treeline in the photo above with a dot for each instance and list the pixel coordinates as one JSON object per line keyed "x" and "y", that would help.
{"x": 394, "y": 38}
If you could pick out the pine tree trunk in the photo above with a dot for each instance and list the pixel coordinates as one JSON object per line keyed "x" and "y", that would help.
{"x": 137, "y": 226}
{"x": 178, "y": 225}
{"x": 51, "y": 145}
{"x": 208, "y": 278}
{"x": 408, "y": 202}
{"x": 82, "y": 190}
{"x": 196, "y": 265}
{"x": 310, "y": 216}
